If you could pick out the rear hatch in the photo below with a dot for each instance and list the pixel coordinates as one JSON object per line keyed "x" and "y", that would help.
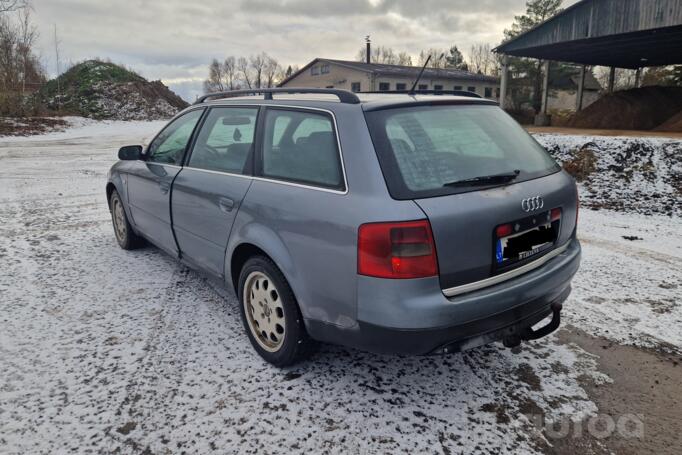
{"x": 494, "y": 197}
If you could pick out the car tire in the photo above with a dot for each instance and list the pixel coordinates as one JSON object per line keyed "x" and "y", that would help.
{"x": 270, "y": 314}
{"x": 125, "y": 236}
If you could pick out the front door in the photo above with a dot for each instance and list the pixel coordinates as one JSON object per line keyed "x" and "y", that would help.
{"x": 208, "y": 191}
{"x": 150, "y": 181}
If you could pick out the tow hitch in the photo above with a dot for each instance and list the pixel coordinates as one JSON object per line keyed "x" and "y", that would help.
{"x": 529, "y": 334}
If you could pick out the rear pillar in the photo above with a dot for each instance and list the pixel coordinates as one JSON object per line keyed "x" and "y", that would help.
{"x": 504, "y": 82}
{"x": 638, "y": 78}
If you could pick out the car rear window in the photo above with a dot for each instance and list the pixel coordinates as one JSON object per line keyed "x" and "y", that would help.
{"x": 422, "y": 149}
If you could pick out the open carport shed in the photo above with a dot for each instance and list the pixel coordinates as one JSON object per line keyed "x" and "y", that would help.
{"x": 615, "y": 33}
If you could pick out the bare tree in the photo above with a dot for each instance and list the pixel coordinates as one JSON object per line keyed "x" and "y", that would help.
{"x": 216, "y": 77}
{"x": 272, "y": 71}
{"x": 12, "y": 5}
{"x": 230, "y": 71}
{"x": 437, "y": 58}
{"x": 404, "y": 59}
{"x": 56, "y": 53}
{"x": 258, "y": 64}
{"x": 19, "y": 66}
{"x": 483, "y": 60}
{"x": 381, "y": 54}
{"x": 244, "y": 69}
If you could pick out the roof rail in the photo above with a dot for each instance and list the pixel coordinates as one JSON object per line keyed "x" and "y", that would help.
{"x": 429, "y": 92}
{"x": 344, "y": 95}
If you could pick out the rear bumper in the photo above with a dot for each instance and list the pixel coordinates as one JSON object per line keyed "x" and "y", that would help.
{"x": 396, "y": 318}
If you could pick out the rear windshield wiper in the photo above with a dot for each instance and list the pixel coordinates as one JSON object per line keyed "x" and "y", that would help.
{"x": 487, "y": 180}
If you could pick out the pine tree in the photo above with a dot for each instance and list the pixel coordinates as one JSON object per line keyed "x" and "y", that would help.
{"x": 455, "y": 59}
{"x": 537, "y": 12}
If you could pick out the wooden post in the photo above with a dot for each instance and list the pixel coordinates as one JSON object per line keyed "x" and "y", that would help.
{"x": 581, "y": 89}
{"x": 612, "y": 79}
{"x": 545, "y": 88}
{"x": 504, "y": 83}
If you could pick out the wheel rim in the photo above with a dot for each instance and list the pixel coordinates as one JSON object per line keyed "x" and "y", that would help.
{"x": 119, "y": 220}
{"x": 264, "y": 311}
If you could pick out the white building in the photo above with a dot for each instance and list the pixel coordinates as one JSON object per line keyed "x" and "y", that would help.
{"x": 374, "y": 77}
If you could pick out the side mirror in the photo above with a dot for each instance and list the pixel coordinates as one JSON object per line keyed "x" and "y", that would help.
{"x": 130, "y": 153}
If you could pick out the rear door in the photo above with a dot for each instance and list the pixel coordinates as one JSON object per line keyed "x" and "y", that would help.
{"x": 487, "y": 188}
{"x": 208, "y": 191}
{"x": 149, "y": 181}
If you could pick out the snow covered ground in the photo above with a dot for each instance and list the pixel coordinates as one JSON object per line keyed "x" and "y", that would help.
{"x": 103, "y": 350}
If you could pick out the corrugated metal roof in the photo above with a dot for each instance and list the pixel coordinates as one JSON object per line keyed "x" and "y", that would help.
{"x": 624, "y": 33}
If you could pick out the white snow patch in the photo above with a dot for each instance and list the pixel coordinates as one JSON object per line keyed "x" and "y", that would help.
{"x": 113, "y": 351}
{"x": 642, "y": 175}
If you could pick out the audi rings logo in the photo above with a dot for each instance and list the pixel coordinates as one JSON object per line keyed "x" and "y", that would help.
{"x": 532, "y": 204}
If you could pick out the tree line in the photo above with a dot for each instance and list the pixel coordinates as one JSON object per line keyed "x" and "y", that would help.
{"x": 480, "y": 58}
{"x": 254, "y": 71}
{"x": 21, "y": 71}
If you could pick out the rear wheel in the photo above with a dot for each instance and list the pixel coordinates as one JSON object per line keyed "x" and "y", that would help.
{"x": 127, "y": 239}
{"x": 270, "y": 313}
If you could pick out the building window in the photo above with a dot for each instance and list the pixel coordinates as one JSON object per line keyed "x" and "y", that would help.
{"x": 325, "y": 68}
{"x": 400, "y": 87}
{"x": 355, "y": 87}
{"x": 438, "y": 88}
{"x": 457, "y": 87}
{"x": 423, "y": 87}
{"x": 471, "y": 89}
{"x": 488, "y": 92}
{"x": 315, "y": 70}
{"x": 384, "y": 86}
{"x": 497, "y": 93}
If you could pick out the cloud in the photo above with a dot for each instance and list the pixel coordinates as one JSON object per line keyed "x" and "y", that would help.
{"x": 175, "y": 39}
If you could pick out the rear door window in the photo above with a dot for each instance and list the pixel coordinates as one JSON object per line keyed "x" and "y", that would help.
{"x": 301, "y": 146}
{"x": 423, "y": 149}
{"x": 225, "y": 141}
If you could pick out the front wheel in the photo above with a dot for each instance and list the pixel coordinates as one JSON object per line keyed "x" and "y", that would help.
{"x": 270, "y": 313}
{"x": 125, "y": 236}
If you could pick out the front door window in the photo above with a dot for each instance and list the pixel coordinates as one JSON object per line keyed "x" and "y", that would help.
{"x": 169, "y": 146}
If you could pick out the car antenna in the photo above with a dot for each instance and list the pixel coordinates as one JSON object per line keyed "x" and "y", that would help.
{"x": 414, "y": 86}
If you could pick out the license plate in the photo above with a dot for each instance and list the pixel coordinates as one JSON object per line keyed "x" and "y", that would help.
{"x": 524, "y": 245}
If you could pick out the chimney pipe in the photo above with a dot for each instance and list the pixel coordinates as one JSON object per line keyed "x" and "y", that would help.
{"x": 369, "y": 49}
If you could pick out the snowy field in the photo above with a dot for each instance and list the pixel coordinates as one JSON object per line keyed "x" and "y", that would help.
{"x": 108, "y": 351}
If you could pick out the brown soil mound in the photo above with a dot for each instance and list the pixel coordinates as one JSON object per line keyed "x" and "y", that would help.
{"x": 637, "y": 109}
{"x": 674, "y": 124}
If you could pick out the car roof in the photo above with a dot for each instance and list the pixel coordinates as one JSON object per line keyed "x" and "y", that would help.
{"x": 368, "y": 101}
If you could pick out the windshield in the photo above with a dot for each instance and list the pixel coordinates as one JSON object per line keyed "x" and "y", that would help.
{"x": 424, "y": 149}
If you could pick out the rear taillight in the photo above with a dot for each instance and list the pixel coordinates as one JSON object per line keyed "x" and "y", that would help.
{"x": 398, "y": 250}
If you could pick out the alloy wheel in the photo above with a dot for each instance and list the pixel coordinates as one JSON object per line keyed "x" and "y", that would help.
{"x": 264, "y": 311}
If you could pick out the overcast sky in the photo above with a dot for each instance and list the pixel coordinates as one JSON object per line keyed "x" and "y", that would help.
{"x": 173, "y": 40}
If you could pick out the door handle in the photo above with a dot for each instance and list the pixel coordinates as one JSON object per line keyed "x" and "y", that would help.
{"x": 225, "y": 204}
{"x": 164, "y": 186}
